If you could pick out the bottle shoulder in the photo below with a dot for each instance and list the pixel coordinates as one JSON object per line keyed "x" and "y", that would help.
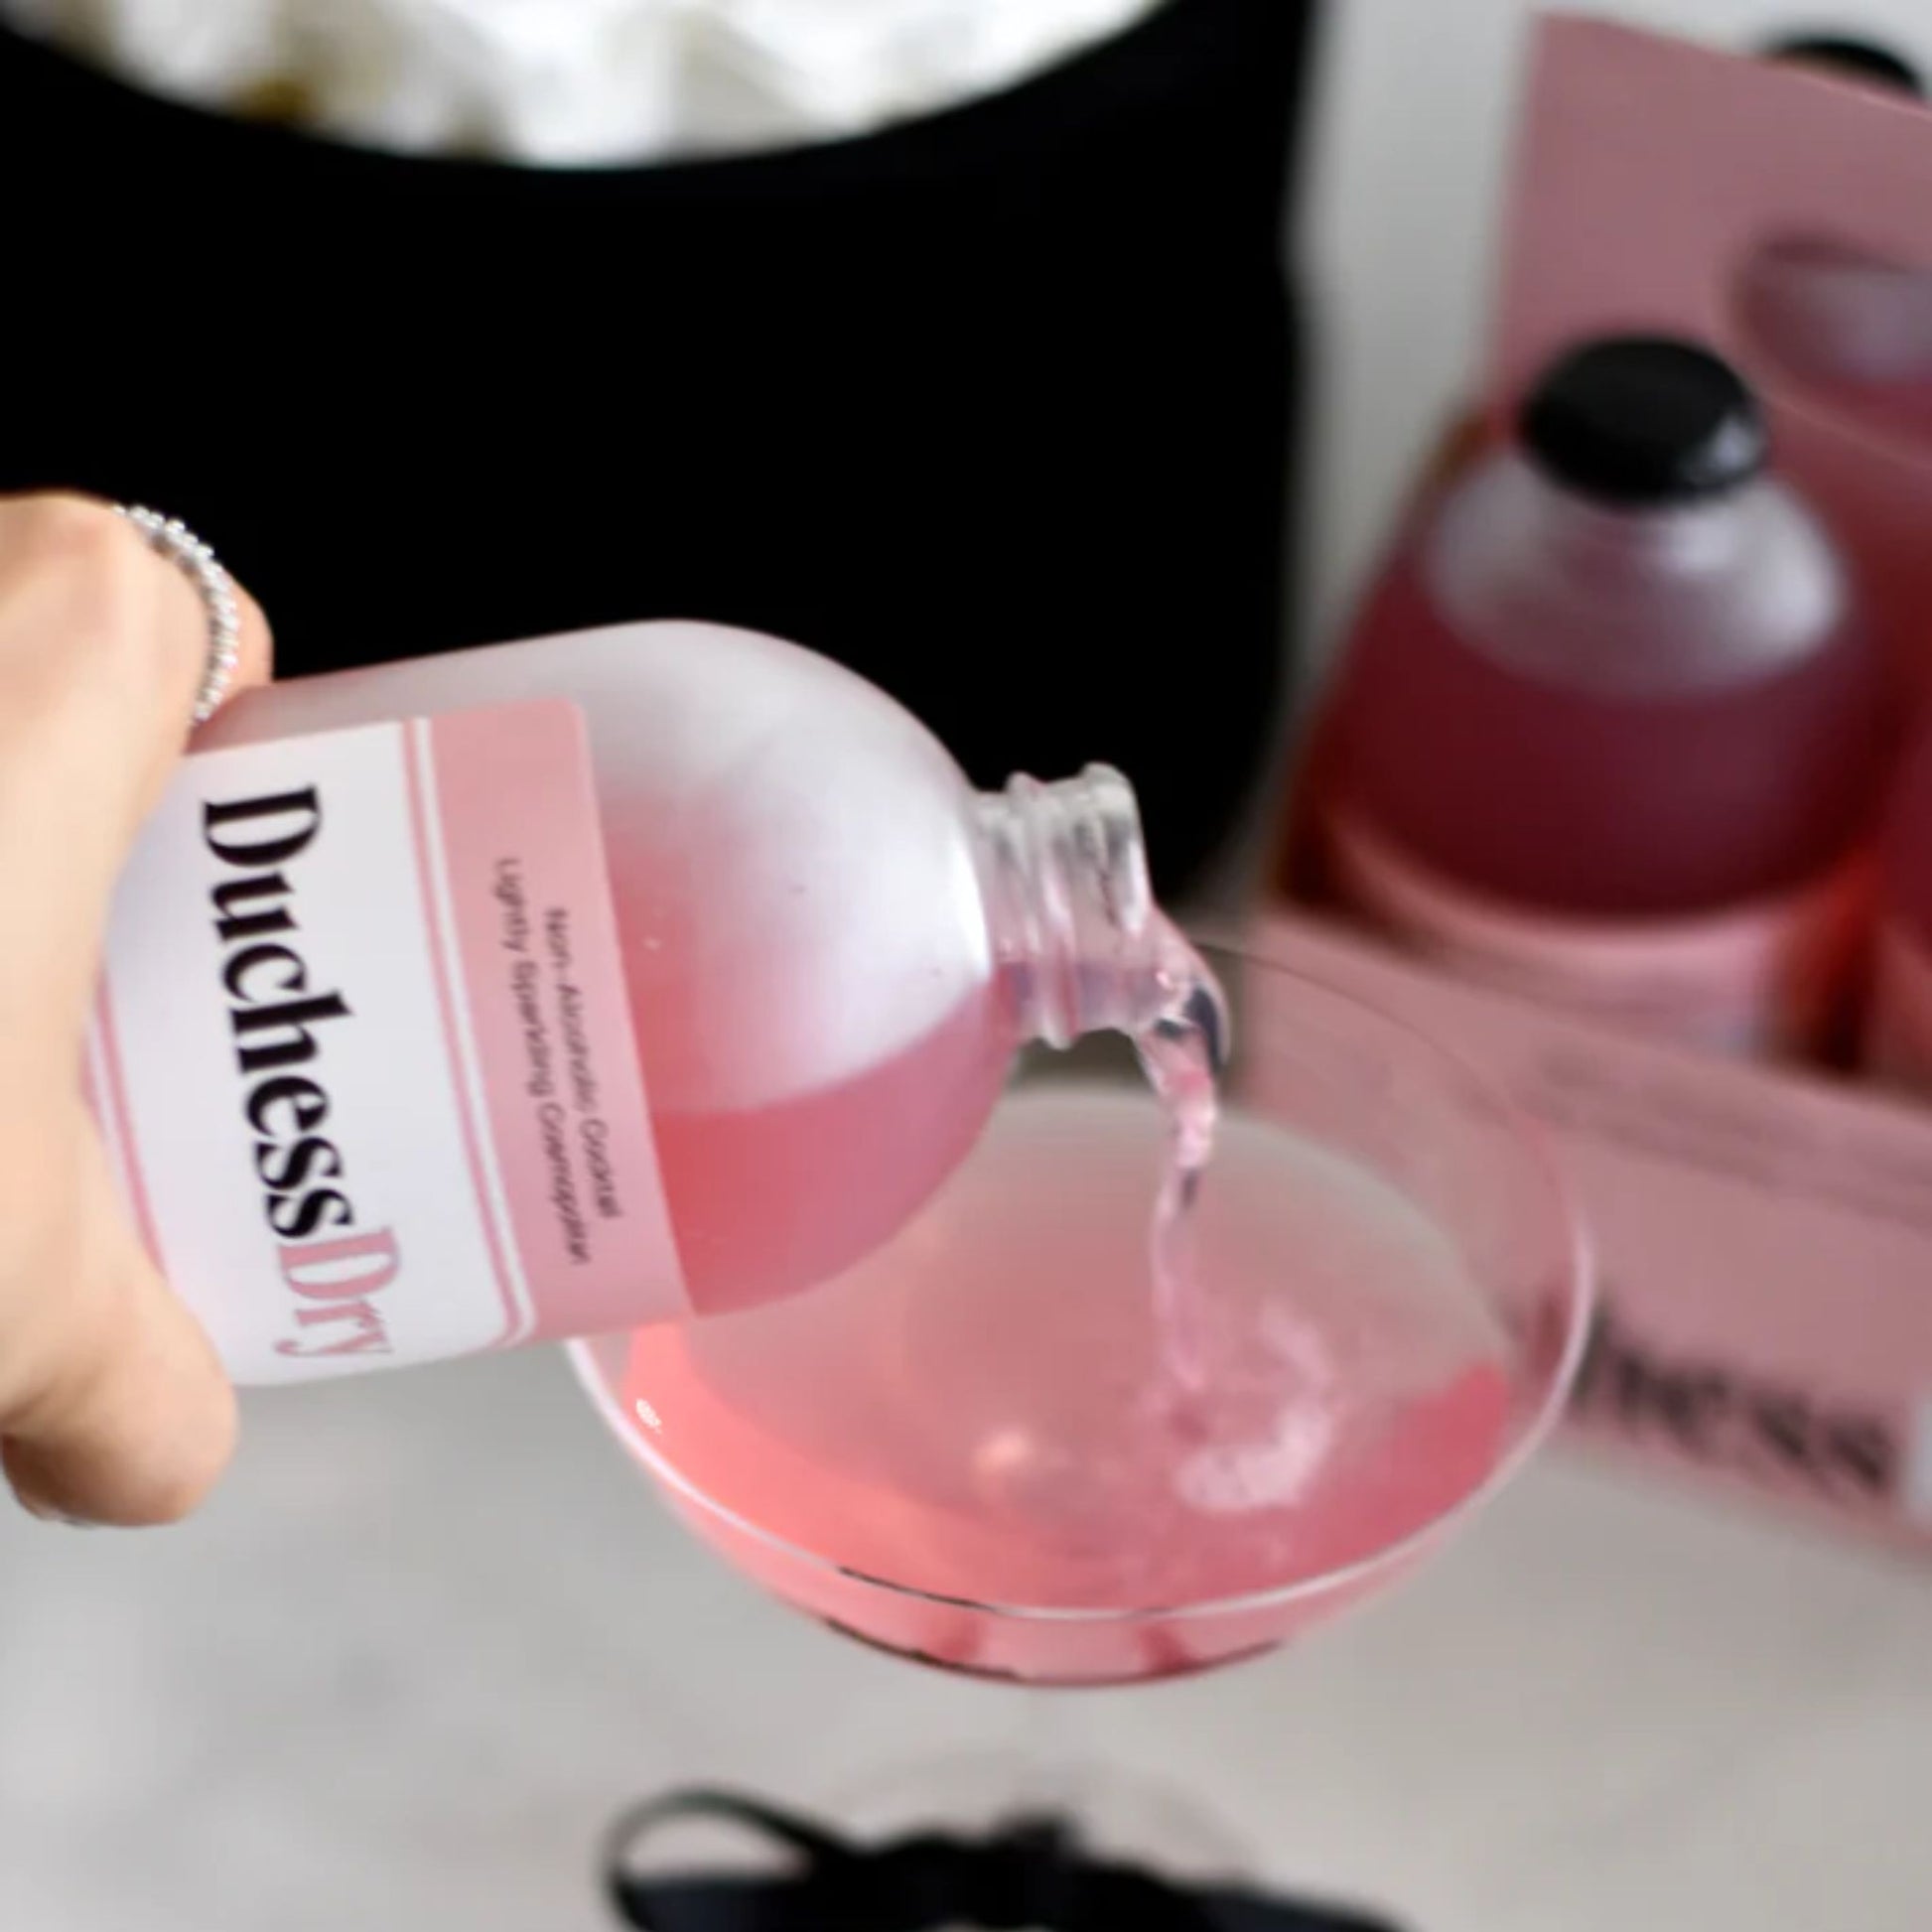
{"x": 1660, "y": 604}
{"x": 791, "y": 853}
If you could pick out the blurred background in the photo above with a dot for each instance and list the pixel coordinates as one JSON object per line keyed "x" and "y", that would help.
{"x": 1412, "y": 128}
{"x": 434, "y": 1634}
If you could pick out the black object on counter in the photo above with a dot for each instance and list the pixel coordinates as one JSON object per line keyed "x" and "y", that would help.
{"x": 996, "y": 406}
{"x": 1859, "y": 60}
{"x": 1033, "y": 1875}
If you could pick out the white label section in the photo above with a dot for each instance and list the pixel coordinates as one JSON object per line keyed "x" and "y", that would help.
{"x": 351, "y": 979}
{"x": 385, "y": 1240}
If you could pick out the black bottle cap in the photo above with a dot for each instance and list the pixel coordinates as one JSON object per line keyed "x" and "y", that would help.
{"x": 1861, "y": 59}
{"x": 1645, "y": 419}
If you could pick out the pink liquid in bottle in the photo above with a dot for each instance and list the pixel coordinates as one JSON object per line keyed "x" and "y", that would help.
{"x": 1609, "y": 730}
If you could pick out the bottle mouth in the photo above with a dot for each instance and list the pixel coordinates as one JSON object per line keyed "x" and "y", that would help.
{"x": 1072, "y": 901}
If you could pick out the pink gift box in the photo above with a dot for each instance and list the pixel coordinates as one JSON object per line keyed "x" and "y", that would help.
{"x": 1765, "y": 1233}
{"x": 1651, "y": 177}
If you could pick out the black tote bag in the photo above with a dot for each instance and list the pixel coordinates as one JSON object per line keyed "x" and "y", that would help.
{"x": 996, "y": 406}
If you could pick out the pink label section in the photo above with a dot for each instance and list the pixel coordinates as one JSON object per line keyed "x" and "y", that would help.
{"x": 541, "y": 1001}
{"x": 1748, "y": 980}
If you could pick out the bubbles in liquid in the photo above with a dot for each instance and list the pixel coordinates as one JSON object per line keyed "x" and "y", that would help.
{"x": 1326, "y": 1316}
{"x": 1248, "y": 1412}
{"x": 990, "y": 1408}
{"x": 1183, "y": 1055}
{"x": 1034, "y": 1396}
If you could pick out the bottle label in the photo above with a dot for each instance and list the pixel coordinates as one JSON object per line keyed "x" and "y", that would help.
{"x": 363, "y": 1056}
{"x": 1900, "y": 1045}
{"x": 1757, "y": 979}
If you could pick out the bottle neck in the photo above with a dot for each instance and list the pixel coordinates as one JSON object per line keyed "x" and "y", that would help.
{"x": 1581, "y": 535}
{"x": 1078, "y": 943}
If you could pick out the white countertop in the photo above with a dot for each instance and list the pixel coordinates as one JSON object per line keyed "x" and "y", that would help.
{"x": 435, "y": 1634}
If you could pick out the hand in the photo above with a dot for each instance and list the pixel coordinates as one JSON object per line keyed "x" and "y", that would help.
{"x": 113, "y": 1408}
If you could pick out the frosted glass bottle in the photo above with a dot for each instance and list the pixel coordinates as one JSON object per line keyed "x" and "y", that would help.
{"x": 1609, "y": 730}
{"x": 831, "y": 947}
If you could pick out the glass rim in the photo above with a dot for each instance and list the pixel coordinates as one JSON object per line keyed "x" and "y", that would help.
{"x": 1530, "y": 1138}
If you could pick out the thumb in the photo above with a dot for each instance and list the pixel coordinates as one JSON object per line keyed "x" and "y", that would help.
{"x": 114, "y": 1407}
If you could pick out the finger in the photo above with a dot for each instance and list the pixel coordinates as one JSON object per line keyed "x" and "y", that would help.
{"x": 103, "y": 646}
{"x": 113, "y": 1407}
{"x": 96, "y": 624}
{"x": 254, "y": 666}
{"x": 257, "y": 663}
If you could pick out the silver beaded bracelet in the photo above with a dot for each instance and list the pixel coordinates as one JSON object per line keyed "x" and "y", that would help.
{"x": 171, "y": 538}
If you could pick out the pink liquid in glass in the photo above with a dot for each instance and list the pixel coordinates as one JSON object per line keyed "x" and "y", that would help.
{"x": 994, "y": 1410}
